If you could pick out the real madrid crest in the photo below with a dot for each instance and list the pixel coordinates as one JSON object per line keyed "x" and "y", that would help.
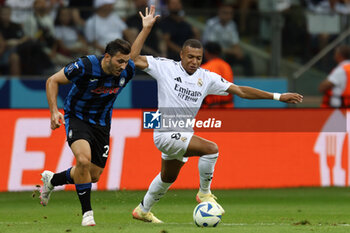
{"x": 121, "y": 82}
{"x": 200, "y": 82}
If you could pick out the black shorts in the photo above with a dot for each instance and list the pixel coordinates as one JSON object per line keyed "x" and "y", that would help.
{"x": 96, "y": 135}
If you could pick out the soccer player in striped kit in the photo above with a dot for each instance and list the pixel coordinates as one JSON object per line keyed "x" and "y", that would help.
{"x": 97, "y": 81}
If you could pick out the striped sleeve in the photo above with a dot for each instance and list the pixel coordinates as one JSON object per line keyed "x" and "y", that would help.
{"x": 74, "y": 70}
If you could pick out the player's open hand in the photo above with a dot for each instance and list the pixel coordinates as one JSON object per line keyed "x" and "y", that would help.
{"x": 56, "y": 119}
{"x": 292, "y": 98}
{"x": 149, "y": 19}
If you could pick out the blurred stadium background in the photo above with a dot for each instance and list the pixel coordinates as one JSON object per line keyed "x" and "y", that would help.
{"x": 285, "y": 45}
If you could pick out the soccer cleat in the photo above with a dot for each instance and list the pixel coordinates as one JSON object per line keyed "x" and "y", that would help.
{"x": 47, "y": 187}
{"x": 88, "y": 219}
{"x": 144, "y": 216}
{"x": 209, "y": 197}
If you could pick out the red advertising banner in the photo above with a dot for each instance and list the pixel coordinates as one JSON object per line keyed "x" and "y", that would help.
{"x": 316, "y": 156}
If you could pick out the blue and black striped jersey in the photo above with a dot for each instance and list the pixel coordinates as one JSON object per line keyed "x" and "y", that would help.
{"x": 93, "y": 92}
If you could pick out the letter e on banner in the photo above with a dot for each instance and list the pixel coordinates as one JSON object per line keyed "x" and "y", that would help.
{"x": 24, "y": 160}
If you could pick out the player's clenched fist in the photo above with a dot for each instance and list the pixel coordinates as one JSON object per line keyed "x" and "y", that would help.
{"x": 56, "y": 119}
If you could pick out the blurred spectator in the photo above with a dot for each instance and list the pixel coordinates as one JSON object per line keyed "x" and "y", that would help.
{"x": 268, "y": 8}
{"x": 54, "y": 6}
{"x": 125, "y": 8}
{"x": 82, "y": 9}
{"x": 161, "y": 6}
{"x": 21, "y": 10}
{"x": 40, "y": 25}
{"x": 11, "y": 35}
{"x": 246, "y": 9}
{"x": 175, "y": 29}
{"x": 36, "y": 53}
{"x": 105, "y": 25}
{"x": 69, "y": 42}
{"x": 217, "y": 65}
{"x": 154, "y": 45}
{"x": 336, "y": 87}
{"x": 324, "y": 24}
{"x": 223, "y": 30}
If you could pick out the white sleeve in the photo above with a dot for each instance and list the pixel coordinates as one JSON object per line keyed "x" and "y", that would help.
{"x": 155, "y": 65}
{"x": 218, "y": 85}
{"x": 336, "y": 76}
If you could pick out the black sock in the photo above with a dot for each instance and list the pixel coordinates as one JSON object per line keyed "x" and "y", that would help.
{"x": 84, "y": 191}
{"x": 62, "y": 178}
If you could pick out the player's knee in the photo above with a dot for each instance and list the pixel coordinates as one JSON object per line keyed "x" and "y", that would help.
{"x": 82, "y": 161}
{"x": 211, "y": 148}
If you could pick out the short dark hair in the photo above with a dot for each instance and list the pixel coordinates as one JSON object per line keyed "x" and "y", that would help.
{"x": 116, "y": 46}
{"x": 193, "y": 43}
{"x": 213, "y": 48}
{"x": 344, "y": 51}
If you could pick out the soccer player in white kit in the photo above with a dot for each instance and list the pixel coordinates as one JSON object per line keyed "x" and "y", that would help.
{"x": 182, "y": 86}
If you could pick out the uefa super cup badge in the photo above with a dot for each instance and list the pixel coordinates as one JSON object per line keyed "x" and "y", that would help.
{"x": 122, "y": 82}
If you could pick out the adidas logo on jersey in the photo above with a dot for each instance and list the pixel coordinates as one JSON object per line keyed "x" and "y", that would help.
{"x": 178, "y": 79}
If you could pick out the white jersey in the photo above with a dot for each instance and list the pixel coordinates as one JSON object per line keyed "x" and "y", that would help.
{"x": 181, "y": 94}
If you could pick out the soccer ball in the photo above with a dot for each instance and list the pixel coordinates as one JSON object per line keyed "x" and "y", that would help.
{"x": 207, "y": 214}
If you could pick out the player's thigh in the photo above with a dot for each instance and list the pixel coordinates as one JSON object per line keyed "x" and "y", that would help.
{"x": 173, "y": 145}
{"x": 170, "y": 170}
{"x": 199, "y": 146}
{"x": 82, "y": 151}
{"x": 99, "y": 145}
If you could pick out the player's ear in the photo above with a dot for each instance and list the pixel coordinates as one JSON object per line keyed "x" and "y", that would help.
{"x": 108, "y": 56}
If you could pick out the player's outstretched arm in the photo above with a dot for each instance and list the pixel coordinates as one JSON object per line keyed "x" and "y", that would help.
{"x": 148, "y": 21}
{"x": 52, "y": 84}
{"x": 253, "y": 93}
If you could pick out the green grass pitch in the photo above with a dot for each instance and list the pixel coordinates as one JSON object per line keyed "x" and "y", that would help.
{"x": 253, "y": 210}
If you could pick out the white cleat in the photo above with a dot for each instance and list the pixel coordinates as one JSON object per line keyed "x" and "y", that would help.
{"x": 138, "y": 214}
{"x": 47, "y": 187}
{"x": 201, "y": 197}
{"x": 88, "y": 219}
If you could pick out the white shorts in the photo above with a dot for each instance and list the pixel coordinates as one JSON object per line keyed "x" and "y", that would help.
{"x": 173, "y": 145}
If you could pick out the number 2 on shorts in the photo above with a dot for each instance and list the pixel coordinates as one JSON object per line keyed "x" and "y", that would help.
{"x": 107, "y": 150}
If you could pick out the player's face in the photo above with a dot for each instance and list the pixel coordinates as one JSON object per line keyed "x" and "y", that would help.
{"x": 191, "y": 59}
{"x": 117, "y": 63}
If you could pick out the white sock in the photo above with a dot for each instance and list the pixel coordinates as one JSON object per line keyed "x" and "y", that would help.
{"x": 155, "y": 192}
{"x": 206, "y": 164}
